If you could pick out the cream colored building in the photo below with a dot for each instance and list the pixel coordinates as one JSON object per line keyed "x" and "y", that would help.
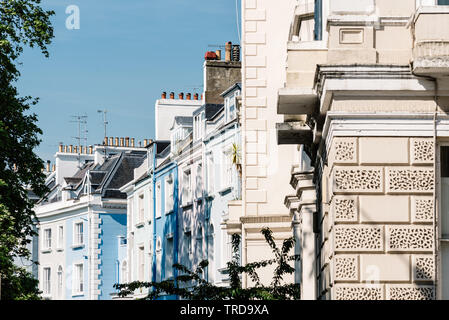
{"x": 345, "y": 137}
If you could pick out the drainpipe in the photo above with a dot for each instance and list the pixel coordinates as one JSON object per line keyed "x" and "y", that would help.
{"x": 176, "y": 231}
{"x": 318, "y": 20}
{"x": 154, "y": 213}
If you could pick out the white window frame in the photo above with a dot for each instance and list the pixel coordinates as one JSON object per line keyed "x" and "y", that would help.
{"x": 169, "y": 193}
{"x": 141, "y": 205}
{"x": 46, "y": 281}
{"x": 210, "y": 173}
{"x": 226, "y": 168}
{"x": 60, "y": 282}
{"x": 187, "y": 186}
{"x": 141, "y": 262}
{"x": 60, "y": 237}
{"x": 78, "y": 279}
{"x": 76, "y": 238}
{"x": 46, "y": 239}
{"x": 124, "y": 272}
{"x": 158, "y": 199}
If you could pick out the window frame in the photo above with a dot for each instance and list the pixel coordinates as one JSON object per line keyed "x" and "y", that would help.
{"x": 60, "y": 246}
{"x": 78, "y": 279}
{"x": 158, "y": 199}
{"x": 46, "y": 239}
{"x": 187, "y": 196}
{"x": 169, "y": 191}
{"x": 75, "y": 239}
{"x": 46, "y": 281}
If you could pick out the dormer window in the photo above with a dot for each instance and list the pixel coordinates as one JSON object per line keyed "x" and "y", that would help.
{"x": 199, "y": 126}
{"x": 231, "y": 106}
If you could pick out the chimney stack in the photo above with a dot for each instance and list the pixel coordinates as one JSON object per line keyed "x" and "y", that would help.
{"x": 181, "y": 96}
{"x": 228, "y": 51}
{"x": 127, "y": 141}
{"x": 132, "y": 142}
{"x": 236, "y": 52}
{"x": 121, "y": 142}
{"x": 172, "y": 95}
{"x": 218, "y": 53}
{"x": 189, "y": 96}
{"x": 164, "y": 95}
{"x": 195, "y": 96}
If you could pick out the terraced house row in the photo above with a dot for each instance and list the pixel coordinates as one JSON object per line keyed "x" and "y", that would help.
{"x": 124, "y": 211}
{"x": 339, "y": 109}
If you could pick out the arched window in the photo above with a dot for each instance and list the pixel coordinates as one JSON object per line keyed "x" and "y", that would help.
{"x": 60, "y": 281}
{"x": 124, "y": 275}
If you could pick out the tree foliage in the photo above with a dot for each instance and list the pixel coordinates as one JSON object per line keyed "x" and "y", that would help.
{"x": 201, "y": 289}
{"x": 22, "y": 23}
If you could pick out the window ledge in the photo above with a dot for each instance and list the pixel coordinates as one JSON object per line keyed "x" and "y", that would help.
{"x": 45, "y": 250}
{"x": 140, "y": 224}
{"x": 60, "y": 249}
{"x": 79, "y": 294}
{"x": 225, "y": 190}
{"x": 187, "y": 204}
{"x": 77, "y": 246}
{"x": 168, "y": 212}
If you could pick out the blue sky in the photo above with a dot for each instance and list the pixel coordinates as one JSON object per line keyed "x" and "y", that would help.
{"x": 124, "y": 55}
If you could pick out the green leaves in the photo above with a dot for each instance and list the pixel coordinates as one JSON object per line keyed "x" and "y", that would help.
{"x": 22, "y": 23}
{"x": 203, "y": 290}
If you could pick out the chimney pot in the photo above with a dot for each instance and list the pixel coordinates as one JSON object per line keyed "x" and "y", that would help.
{"x": 181, "y": 96}
{"x": 61, "y": 147}
{"x": 132, "y": 142}
{"x": 127, "y": 141}
{"x": 218, "y": 53}
{"x": 85, "y": 150}
{"x": 53, "y": 168}
{"x": 121, "y": 142}
{"x": 210, "y": 55}
{"x": 111, "y": 141}
{"x": 65, "y": 149}
{"x": 105, "y": 142}
{"x": 116, "y": 142}
{"x": 90, "y": 150}
{"x": 195, "y": 96}
{"x": 164, "y": 95}
{"x": 228, "y": 51}
{"x": 48, "y": 166}
{"x": 188, "y": 96}
{"x": 70, "y": 148}
{"x": 172, "y": 95}
{"x": 75, "y": 149}
{"x": 145, "y": 141}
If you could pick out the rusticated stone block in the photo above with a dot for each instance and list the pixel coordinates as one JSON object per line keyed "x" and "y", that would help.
{"x": 422, "y": 209}
{"x": 410, "y": 238}
{"x": 382, "y": 150}
{"x": 358, "y": 180}
{"x": 410, "y": 292}
{"x": 346, "y": 268}
{"x": 358, "y": 238}
{"x": 410, "y": 180}
{"x": 344, "y": 209}
{"x": 422, "y": 151}
{"x": 423, "y": 267}
{"x": 358, "y": 292}
{"x": 343, "y": 150}
{"x": 384, "y": 209}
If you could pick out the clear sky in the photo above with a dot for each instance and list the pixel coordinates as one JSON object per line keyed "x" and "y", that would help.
{"x": 125, "y": 54}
